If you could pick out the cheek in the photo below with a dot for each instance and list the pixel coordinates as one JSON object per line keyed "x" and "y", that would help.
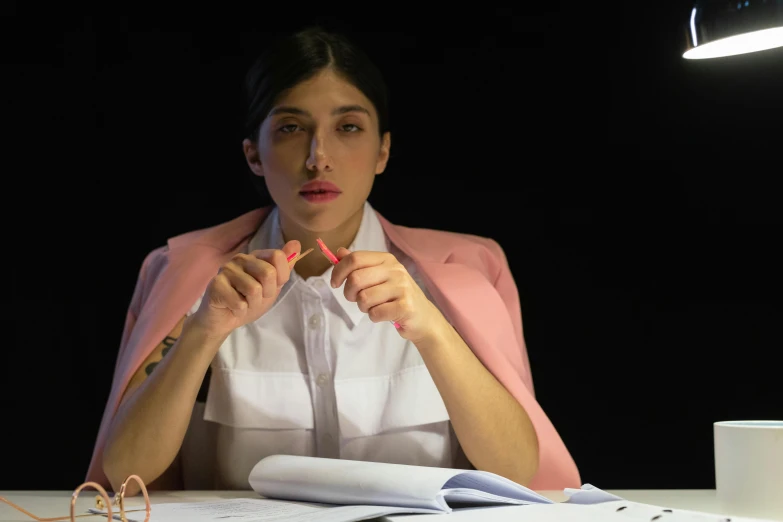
{"x": 361, "y": 155}
{"x": 357, "y": 169}
{"x": 281, "y": 157}
{"x": 359, "y": 161}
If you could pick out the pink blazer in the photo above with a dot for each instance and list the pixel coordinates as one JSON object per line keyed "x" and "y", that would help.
{"x": 467, "y": 276}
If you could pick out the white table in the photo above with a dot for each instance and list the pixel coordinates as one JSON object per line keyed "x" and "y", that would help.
{"x": 56, "y": 503}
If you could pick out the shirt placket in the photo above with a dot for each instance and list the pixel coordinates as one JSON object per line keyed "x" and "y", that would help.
{"x": 321, "y": 380}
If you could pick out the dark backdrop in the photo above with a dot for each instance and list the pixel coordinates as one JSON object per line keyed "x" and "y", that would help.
{"x": 635, "y": 194}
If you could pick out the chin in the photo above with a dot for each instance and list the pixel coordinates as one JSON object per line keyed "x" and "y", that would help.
{"x": 319, "y": 219}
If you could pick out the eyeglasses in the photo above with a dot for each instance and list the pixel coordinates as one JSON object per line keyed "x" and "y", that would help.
{"x": 101, "y": 502}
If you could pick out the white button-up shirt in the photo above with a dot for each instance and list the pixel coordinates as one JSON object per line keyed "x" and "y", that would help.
{"x": 314, "y": 376}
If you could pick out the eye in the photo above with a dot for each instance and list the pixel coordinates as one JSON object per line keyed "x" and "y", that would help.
{"x": 350, "y": 127}
{"x": 288, "y": 129}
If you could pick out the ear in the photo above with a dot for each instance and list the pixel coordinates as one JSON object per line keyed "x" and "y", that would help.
{"x": 253, "y": 158}
{"x": 383, "y": 154}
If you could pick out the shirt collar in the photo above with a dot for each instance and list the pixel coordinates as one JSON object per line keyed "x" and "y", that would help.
{"x": 370, "y": 236}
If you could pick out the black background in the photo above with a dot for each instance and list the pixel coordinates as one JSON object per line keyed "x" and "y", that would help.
{"x": 634, "y": 192}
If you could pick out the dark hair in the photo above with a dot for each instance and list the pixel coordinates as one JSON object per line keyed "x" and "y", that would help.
{"x": 301, "y": 56}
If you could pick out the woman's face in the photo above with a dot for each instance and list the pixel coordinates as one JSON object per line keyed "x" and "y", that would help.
{"x": 319, "y": 151}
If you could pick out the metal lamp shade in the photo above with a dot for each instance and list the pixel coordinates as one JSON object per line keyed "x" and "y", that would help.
{"x": 718, "y": 28}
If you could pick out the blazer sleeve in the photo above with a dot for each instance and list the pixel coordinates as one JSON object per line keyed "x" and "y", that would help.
{"x": 152, "y": 265}
{"x": 506, "y": 287}
{"x": 557, "y": 468}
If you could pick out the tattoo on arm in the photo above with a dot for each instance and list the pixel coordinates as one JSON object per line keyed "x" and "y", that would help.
{"x": 168, "y": 342}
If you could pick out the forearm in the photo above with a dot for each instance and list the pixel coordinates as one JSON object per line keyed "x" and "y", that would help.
{"x": 493, "y": 429}
{"x": 149, "y": 427}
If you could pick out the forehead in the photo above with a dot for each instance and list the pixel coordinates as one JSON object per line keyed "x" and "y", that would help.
{"x": 324, "y": 92}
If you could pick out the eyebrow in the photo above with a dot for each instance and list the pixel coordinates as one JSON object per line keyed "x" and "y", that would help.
{"x": 344, "y": 109}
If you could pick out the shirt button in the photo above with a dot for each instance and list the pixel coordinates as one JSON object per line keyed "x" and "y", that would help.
{"x": 321, "y": 287}
{"x": 315, "y": 321}
{"x": 322, "y": 379}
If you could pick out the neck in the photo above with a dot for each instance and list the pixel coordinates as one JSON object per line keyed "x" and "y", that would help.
{"x": 316, "y": 263}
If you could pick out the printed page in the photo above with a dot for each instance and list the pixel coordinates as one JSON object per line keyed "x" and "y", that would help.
{"x": 564, "y": 512}
{"x": 616, "y": 508}
{"x": 624, "y": 510}
{"x": 312, "y": 479}
{"x": 530, "y": 512}
{"x": 338, "y": 481}
{"x": 260, "y": 510}
{"x": 498, "y": 486}
{"x": 589, "y": 494}
{"x": 466, "y": 497}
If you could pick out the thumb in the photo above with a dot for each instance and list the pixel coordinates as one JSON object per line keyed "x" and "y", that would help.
{"x": 292, "y": 247}
{"x": 341, "y": 253}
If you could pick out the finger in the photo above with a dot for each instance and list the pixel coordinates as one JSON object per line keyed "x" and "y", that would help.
{"x": 389, "y": 311}
{"x": 363, "y": 278}
{"x": 355, "y": 261}
{"x": 224, "y": 295}
{"x": 261, "y": 270}
{"x": 279, "y": 260}
{"x": 268, "y": 276}
{"x": 289, "y": 249}
{"x": 292, "y": 247}
{"x": 377, "y": 295}
{"x": 247, "y": 285}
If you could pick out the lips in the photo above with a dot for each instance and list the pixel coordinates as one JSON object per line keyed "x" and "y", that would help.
{"x": 316, "y": 192}
{"x": 319, "y": 187}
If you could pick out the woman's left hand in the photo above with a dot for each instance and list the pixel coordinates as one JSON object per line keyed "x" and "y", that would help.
{"x": 385, "y": 291}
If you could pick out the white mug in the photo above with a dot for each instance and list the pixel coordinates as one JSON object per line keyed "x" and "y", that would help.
{"x": 749, "y": 468}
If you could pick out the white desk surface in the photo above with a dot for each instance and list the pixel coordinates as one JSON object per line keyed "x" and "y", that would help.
{"x": 56, "y": 503}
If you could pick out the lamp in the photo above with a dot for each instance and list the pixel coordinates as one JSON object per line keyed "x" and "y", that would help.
{"x": 719, "y": 28}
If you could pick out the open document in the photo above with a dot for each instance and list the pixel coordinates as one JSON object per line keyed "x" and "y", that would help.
{"x": 337, "y": 481}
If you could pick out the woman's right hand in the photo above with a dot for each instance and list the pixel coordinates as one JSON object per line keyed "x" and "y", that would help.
{"x": 244, "y": 289}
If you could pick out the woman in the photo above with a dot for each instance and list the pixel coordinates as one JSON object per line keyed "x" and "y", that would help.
{"x": 306, "y": 360}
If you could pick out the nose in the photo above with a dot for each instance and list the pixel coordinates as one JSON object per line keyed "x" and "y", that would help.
{"x": 318, "y": 160}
